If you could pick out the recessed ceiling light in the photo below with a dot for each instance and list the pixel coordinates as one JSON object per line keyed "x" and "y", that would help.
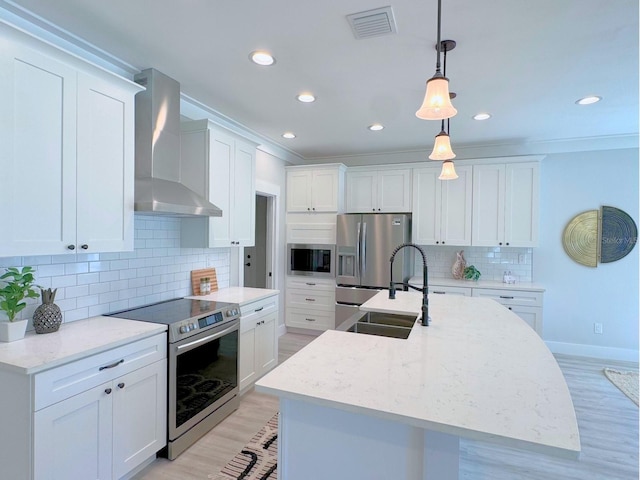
{"x": 481, "y": 116}
{"x": 588, "y": 100}
{"x": 375, "y": 127}
{"x": 261, "y": 57}
{"x": 306, "y": 98}
{"x": 289, "y": 135}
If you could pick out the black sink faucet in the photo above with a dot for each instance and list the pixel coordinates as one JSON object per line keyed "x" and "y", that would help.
{"x": 425, "y": 286}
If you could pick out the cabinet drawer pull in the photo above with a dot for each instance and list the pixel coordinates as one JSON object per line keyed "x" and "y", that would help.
{"x": 439, "y": 292}
{"x": 121, "y": 385}
{"x": 310, "y": 299}
{"x": 309, "y": 283}
{"x": 506, "y": 297}
{"x": 310, "y": 319}
{"x": 259, "y": 309}
{"x": 107, "y": 391}
{"x": 112, "y": 365}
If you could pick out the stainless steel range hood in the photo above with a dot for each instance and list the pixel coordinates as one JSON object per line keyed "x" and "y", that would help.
{"x": 158, "y": 161}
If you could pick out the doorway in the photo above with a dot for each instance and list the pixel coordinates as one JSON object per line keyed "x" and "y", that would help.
{"x": 258, "y": 262}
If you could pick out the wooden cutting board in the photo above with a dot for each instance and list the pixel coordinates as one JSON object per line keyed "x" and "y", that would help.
{"x": 196, "y": 275}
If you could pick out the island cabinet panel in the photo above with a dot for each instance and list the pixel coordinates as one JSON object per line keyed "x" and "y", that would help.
{"x": 505, "y": 210}
{"x": 258, "y": 339}
{"x": 66, "y": 142}
{"x": 442, "y": 209}
{"x": 220, "y": 166}
{"x": 315, "y": 189}
{"x": 384, "y": 191}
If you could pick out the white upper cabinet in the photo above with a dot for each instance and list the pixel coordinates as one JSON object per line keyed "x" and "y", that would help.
{"x": 66, "y": 143}
{"x": 506, "y": 199}
{"x": 378, "y": 190}
{"x": 229, "y": 183}
{"x": 442, "y": 208}
{"x": 315, "y": 189}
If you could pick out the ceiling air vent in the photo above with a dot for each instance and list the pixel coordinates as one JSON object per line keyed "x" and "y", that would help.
{"x": 372, "y": 23}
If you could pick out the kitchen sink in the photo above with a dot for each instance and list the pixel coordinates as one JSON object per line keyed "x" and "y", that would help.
{"x": 383, "y": 324}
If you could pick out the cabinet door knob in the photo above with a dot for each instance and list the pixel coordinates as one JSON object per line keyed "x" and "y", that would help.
{"x": 247, "y": 264}
{"x": 443, "y": 243}
{"x": 308, "y": 208}
{"x": 373, "y": 209}
{"x": 84, "y": 246}
{"x": 507, "y": 243}
{"x": 107, "y": 391}
{"x": 314, "y": 208}
{"x": 437, "y": 242}
{"x": 71, "y": 247}
{"x": 499, "y": 243}
{"x": 121, "y": 385}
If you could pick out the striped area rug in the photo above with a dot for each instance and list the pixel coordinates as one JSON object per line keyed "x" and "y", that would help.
{"x": 627, "y": 382}
{"x": 258, "y": 460}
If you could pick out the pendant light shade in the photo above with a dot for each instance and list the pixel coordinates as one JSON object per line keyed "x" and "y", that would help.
{"x": 448, "y": 171}
{"x": 442, "y": 147}
{"x": 437, "y": 103}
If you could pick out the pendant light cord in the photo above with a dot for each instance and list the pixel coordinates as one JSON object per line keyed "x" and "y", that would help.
{"x": 438, "y": 44}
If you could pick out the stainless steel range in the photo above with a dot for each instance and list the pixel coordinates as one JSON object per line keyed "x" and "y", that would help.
{"x": 203, "y": 364}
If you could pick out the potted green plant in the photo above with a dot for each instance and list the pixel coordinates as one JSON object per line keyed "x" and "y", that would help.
{"x": 471, "y": 273}
{"x": 18, "y": 285}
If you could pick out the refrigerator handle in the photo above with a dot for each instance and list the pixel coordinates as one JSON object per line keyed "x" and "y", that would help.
{"x": 363, "y": 258}
{"x": 358, "y": 242}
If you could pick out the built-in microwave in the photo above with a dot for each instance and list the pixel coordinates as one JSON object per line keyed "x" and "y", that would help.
{"x": 315, "y": 260}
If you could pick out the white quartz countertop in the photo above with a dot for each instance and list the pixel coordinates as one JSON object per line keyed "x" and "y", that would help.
{"x": 239, "y": 295}
{"x": 452, "y": 282}
{"x": 74, "y": 340}
{"x": 478, "y": 371}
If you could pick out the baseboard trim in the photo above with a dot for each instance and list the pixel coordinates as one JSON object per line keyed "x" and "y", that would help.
{"x": 593, "y": 351}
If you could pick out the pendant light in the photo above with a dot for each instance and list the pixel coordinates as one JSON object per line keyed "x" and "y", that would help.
{"x": 437, "y": 104}
{"x": 442, "y": 147}
{"x": 448, "y": 171}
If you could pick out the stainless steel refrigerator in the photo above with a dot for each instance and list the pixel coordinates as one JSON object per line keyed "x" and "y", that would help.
{"x": 364, "y": 244}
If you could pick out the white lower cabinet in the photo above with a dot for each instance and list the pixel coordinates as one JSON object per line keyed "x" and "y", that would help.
{"x": 258, "y": 339}
{"x": 527, "y": 304}
{"x": 448, "y": 290}
{"x": 311, "y": 303}
{"x": 100, "y": 417}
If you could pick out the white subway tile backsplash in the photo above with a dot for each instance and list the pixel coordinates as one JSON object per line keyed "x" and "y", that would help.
{"x": 491, "y": 261}
{"x": 91, "y": 284}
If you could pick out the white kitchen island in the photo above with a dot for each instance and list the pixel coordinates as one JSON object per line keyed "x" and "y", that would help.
{"x": 365, "y": 407}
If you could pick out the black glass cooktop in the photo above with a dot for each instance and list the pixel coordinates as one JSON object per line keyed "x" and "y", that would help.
{"x": 172, "y": 311}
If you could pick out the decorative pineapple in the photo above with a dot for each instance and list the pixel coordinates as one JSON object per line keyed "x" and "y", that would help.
{"x": 47, "y": 317}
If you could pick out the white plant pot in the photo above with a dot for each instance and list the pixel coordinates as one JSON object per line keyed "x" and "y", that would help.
{"x": 12, "y": 331}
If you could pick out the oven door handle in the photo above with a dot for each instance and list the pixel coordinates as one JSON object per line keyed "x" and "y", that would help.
{"x": 188, "y": 346}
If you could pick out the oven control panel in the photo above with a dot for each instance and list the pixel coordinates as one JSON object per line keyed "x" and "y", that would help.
{"x": 187, "y": 328}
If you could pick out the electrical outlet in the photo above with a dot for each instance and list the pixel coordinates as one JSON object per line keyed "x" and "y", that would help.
{"x": 521, "y": 258}
{"x": 597, "y": 328}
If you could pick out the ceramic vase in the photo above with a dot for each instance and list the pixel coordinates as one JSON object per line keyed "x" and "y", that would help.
{"x": 12, "y": 331}
{"x": 458, "y": 267}
{"x": 47, "y": 317}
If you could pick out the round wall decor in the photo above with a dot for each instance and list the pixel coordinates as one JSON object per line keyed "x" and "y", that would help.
{"x": 604, "y": 236}
{"x": 619, "y": 234}
{"x": 580, "y": 239}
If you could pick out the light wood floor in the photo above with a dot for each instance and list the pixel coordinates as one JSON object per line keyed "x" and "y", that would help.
{"x": 608, "y": 423}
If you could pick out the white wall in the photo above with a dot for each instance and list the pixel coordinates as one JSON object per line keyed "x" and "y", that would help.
{"x": 578, "y": 296}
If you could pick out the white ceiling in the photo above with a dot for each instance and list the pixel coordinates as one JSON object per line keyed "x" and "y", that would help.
{"x": 525, "y": 62}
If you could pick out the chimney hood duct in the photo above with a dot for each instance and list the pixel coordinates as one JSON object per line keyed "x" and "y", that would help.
{"x": 157, "y": 179}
